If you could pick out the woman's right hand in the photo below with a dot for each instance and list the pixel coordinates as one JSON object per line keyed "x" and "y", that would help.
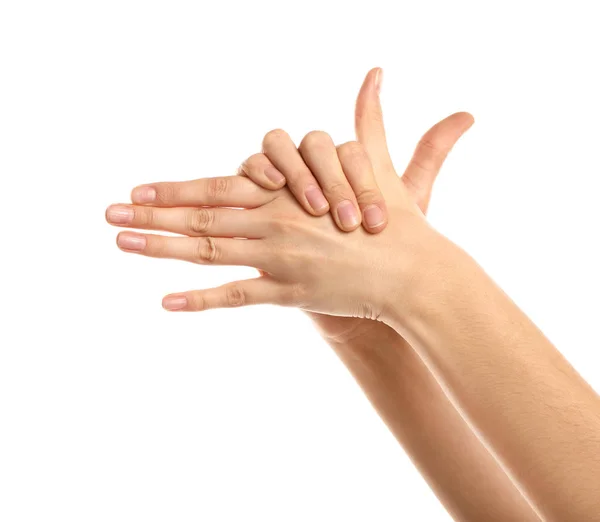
{"x": 419, "y": 178}
{"x": 307, "y": 262}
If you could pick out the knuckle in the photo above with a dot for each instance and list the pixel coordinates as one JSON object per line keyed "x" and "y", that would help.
{"x": 364, "y": 112}
{"x": 351, "y": 151}
{"x": 316, "y": 139}
{"x": 368, "y": 195}
{"x": 217, "y": 187}
{"x": 430, "y": 148}
{"x": 200, "y": 220}
{"x": 235, "y": 295}
{"x": 274, "y": 136}
{"x": 166, "y": 192}
{"x": 198, "y": 303}
{"x": 144, "y": 217}
{"x": 283, "y": 226}
{"x": 206, "y": 250}
{"x": 338, "y": 190}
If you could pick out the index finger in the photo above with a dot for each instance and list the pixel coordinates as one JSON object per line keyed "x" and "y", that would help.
{"x": 368, "y": 121}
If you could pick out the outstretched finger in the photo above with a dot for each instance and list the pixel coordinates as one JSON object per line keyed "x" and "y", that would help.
{"x": 201, "y": 250}
{"x": 261, "y": 290}
{"x": 368, "y": 121}
{"x": 225, "y": 191}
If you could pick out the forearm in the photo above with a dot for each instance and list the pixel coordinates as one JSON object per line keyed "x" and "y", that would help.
{"x": 461, "y": 472}
{"x": 538, "y": 416}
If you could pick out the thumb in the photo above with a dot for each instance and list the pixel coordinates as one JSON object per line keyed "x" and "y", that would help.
{"x": 430, "y": 154}
{"x": 368, "y": 121}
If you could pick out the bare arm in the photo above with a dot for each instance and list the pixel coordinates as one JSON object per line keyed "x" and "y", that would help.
{"x": 535, "y": 412}
{"x": 463, "y": 474}
{"x": 458, "y": 468}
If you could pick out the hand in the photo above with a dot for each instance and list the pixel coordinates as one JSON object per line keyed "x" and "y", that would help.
{"x": 307, "y": 262}
{"x": 293, "y": 168}
{"x": 351, "y": 194}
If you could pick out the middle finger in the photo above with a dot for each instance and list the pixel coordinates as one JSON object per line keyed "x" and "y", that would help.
{"x": 189, "y": 221}
{"x": 320, "y": 154}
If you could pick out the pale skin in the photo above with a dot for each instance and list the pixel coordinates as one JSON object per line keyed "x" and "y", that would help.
{"x": 535, "y": 415}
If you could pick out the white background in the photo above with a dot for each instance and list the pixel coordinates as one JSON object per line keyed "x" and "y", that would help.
{"x": 112, "y": 408}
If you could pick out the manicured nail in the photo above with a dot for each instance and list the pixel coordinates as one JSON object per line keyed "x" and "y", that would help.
{"x": 176, "y": 302}
{"x": 315, "y": 198}
{"x": 131, "y": 241}
{"x": 378, "y": 79}
{"x": 119, "y": 214}
{"x": 347, "y": 214}
{"x": 143, "y": 195}
{"x": 274, "y": 175}
{"x": 373, "y": 216}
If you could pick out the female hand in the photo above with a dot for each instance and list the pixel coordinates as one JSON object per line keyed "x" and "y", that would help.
{"x": 306, "y": 261}
{"x": 418, "y": 178}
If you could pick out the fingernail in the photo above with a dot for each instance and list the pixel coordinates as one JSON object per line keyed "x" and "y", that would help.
{"x": 274, "y": 175}
{"x": 143, "y": 195}
{"x": 175, "y": 302}
{"x": 131, "y": 242}
{"x": 347, "y": 214}
{"x": 119, "y": 214}
{"x": 373, "y": 216}
{"x": 378, "y": 79}
{"x": 315, "y": 198}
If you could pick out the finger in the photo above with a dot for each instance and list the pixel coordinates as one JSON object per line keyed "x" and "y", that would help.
{"x": 359, "y": 172}
{"x": 284, "y": 155}
{"x": 320, "y": 155}
{"x": 226, "y": 191}
{"x": 260, "y": 170}
{"x": 220, "y": 222}
{"x": 261, "y": 290}
{"x": 430, "y": 154}
{"x": 201, "y": 250}
{"x": 368, "y": 122}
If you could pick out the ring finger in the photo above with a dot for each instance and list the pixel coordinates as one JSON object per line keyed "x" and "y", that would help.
{"x": 200, "y": 250}
{"x": 280, "y": 150}
{"x": 321, "y": 156}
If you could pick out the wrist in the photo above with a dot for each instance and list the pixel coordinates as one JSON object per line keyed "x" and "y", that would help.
{"x": 425, "y": 283}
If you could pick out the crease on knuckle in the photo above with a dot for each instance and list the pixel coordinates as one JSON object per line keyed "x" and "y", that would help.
{"x": 351, "y": 151}
{"x": 144, "y": 217}
{"x": 206, "y": 250}
{"x": 217, "y": 187}
{"x": 166, "y": 192}
{"x": 200, "y": 221}
{"x": 198, "y": 302}
{"x": 368, "y": 195}
{"x": 429, "y": 153}
{"x": 235, "y": 296}
{"x": 338, "y": 189}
